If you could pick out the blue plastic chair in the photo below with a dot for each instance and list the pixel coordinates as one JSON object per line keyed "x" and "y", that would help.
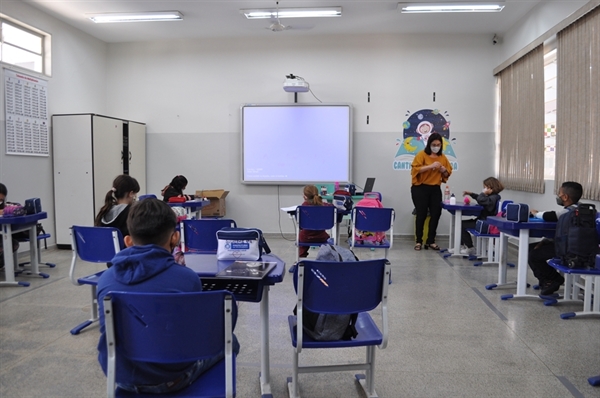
{"x": 576, "y": 280}
{"x": 373, "y": 219}
{"x": 148, "y": 196}
{"x": 201, "y": 235}
{"x": 95, "y": 245}
{"x": 318, "y": 218}
{"x": 172, "y": 328}
{"x": 40, "y": 237}
{"x": 487, "y": 245}
{"x": 341, "y": 288}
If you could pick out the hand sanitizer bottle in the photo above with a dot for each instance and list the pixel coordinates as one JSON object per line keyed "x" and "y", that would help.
{"x": 452, "y": 199}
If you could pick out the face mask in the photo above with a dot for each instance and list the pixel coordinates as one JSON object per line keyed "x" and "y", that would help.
{"x": 436, "y": 149}
{"x": 559, "y": 201}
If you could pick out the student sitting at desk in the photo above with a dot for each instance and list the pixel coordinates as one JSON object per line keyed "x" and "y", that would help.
{"x": 311, "y": 198}
{"x": 15, "y": 243}
{"x": 175, "y": 189}
{"x": 549, "y": 279}
{"x": 117, "y": 203}
{"x": 148, "y": 266}
{"x": 488, "y": 199}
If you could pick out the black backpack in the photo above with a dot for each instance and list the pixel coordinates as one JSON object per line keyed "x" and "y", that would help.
{"x": 330, "y": 327}
{"x": 576, "y": 241}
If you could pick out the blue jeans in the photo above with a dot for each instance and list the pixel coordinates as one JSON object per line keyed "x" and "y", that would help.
{"x": 185, "y": 379}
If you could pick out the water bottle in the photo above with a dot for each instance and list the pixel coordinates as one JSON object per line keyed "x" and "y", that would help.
{"x": 447, "y": 194}
{"x": 452, "y": 199}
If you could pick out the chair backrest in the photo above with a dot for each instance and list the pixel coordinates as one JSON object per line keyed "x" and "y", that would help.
{"x": 148, "y": 196}
{"x": 503, "y": 205}
{"x": 201, "y": 235}
{"x": 342, "y": 288}
{"x": 168, "y": 327}
{"x": 96, "y": 244}
{"x": 316, "y": 217}
{"x": 598, "y": 226}
{"x": 373, "y": 219}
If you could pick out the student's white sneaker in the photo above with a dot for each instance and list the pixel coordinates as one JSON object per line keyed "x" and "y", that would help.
{"x": 467, "y": 251}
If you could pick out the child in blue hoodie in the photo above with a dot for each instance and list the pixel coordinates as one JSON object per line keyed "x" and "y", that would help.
{"x": 147, "y": 265}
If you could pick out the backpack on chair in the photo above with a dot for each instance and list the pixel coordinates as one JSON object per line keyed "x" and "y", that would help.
{"x": 330, "y": 327}
{"x": 370, "y": 199}
{"x": 576, "y": 240}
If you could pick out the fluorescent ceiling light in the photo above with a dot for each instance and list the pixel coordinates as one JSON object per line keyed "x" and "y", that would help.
{"x": 136, "y": 16}
{"x": 450, "y": 7}
{"x": 269, "y": 13}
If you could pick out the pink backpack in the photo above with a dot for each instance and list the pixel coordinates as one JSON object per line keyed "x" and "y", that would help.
{"x": 370, "y": 199}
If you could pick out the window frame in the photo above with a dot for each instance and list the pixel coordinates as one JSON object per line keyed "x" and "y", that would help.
{"x": 46, "y": 45}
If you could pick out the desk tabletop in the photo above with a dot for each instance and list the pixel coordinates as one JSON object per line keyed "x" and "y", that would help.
{"x": 467, "y": 210}
{"x": 29, "y": 218}
{"x": 191, "y": 203}
{"x": 536, "y": 227}
{"x": 207, "y": 265}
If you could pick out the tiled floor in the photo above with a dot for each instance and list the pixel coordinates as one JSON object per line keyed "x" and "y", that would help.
{"x": 449, "y": 337}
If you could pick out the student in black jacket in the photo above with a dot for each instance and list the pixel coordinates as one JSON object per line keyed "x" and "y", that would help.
{"x": 175, "y": 189}
{"x": 540, "y": 252}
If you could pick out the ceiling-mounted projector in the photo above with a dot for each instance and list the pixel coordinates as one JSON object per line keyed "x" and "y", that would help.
{"x": 295, "y": 84}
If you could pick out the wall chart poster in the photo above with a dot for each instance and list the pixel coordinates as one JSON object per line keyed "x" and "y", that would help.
{"x": 26, "y": 103}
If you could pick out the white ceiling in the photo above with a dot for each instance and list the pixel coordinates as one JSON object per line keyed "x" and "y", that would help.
{"x": 222, "y": 18}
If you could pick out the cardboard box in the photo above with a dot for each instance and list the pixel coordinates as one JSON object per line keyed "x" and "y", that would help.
{"x": 217, "y": 202}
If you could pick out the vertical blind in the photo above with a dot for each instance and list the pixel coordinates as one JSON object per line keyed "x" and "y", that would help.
{"x": 521, "y": 157}
{"x": 578, "y": 105}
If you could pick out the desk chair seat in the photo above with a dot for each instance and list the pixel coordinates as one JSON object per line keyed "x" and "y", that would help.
{"x": 176, "y": 328}
{"x": 200, "y": 236}
{"x": 577, "y": 280}
{"x": 315, "y": 218}
{"x": 350, "y": 287}
{"x": 96, "y": 245}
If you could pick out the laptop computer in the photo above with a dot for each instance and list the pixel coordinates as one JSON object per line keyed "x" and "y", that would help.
{"x": 368, "y": 186}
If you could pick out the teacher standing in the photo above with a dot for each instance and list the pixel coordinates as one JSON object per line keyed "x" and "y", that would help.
{"x": 430, "y": 168}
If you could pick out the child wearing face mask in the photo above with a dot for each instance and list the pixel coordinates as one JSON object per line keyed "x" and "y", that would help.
{"x": 488, "y": 199}
{"x": 430, "y": 168}
{"x": 549, "y": 279}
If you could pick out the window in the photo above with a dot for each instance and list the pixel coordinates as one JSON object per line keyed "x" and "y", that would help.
{"x": 549, "y": 114}
{"x": 23, "y": 46}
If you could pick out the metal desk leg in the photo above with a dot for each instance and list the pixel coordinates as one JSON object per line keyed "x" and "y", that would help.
{"x": 501, "y": 254}
{"x": 454, "y": 251}
{"x": 265, "y": 374}
{"x": 522, "y": 268}
{"x": 9, "y": 265}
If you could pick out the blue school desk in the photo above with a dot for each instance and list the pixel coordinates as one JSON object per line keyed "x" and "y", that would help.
{"x": 207, "y": 266}
{"x": 457, "y": 211}
{"x": 11, "y": 225}
{"x": 534, "y": 228}
{"x": 192, "y": 206}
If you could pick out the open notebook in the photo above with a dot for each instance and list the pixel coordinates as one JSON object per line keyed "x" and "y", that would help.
{"x": 247, "y": 270}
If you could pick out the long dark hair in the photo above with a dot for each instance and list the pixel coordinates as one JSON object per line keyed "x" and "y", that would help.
{"x": 178, "y": 183}
{"x": 122, "y": 185}
{"x": 434, "y": 137}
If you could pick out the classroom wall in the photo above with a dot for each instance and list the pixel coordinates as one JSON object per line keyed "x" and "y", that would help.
{"x": 189, "y": 93}
{"x": 76, "y": 86}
